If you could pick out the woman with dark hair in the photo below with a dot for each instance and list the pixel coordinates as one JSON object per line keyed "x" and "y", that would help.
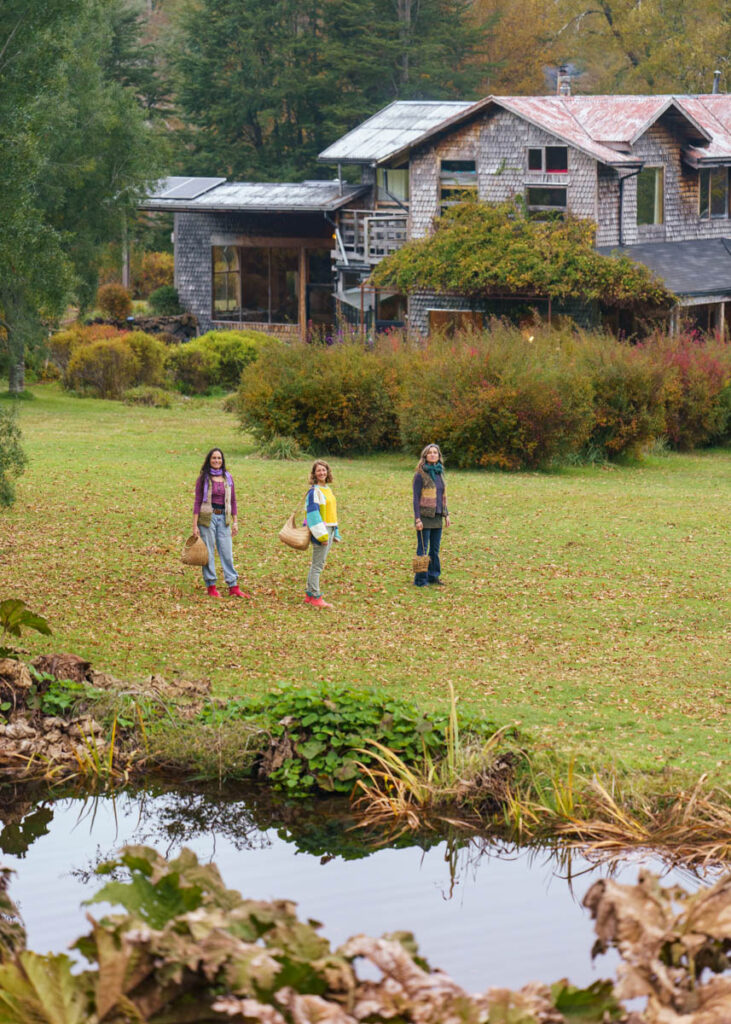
{"x": 322, "y": 519}
{"x": 430, "y": 513}
{"x": 217, "y": 524}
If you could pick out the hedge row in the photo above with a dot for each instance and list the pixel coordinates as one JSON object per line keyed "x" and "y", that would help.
{"x": 496, "y": 398}
{"x": 106, "y": 362}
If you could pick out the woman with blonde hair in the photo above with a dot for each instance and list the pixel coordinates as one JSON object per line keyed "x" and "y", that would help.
{"x": 430, "y": 513}
{"x": 322, "y": 519}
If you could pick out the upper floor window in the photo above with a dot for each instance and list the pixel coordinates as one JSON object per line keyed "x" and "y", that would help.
{"x": 714, "y": 197}
{"x": 393, "y": 184}
{"x": 544, "y": 203}
{"x": 550, "y": 159}
{"x": 455, "y": 178}
{"x": 650, "y": 192}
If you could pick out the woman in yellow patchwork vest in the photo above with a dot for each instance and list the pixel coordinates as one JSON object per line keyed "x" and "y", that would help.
{"x": 430, "y": 513}
{"x": 322, "y": 519}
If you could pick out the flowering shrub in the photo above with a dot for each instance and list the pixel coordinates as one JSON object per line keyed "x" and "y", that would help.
{"x": 114, "y": 300}
{"x": 697, "y": 390}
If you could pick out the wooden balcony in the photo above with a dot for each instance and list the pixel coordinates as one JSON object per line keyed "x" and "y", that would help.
{"x": 369, "y": 235}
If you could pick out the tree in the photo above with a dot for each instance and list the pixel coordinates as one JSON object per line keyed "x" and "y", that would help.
{"x": 264, "y": 86}
{"x": 76, "y": 154}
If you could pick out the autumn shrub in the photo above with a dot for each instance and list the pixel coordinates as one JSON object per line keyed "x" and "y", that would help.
{"x": 697, "y": 396}
{"x": 151, "y": 356}
{"x": 62, "y": 344}
{"x": 497, "y": 399}
{"x": 328, "y": 399}
{"x": 164, "y": 301}
{"x": 143, "y": 394}
{"x": 216, "y": 359}
{"x": 628, "y": 383}
{"x": 152, "y": 270}
{"x": 103, "y": 368}
{"x": 114, "y": 300}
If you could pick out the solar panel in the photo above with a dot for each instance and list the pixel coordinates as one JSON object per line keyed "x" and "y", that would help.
{"x": 186, "y": 188}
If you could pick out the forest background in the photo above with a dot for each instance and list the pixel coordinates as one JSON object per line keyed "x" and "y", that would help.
{"x": 99, "y": 98}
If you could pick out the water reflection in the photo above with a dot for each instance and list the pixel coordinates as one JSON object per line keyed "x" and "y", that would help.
{"x": 487, "y": 912}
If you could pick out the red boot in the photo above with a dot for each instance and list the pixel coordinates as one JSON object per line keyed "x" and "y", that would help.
{"x": 319, "y": 602}
{"x": 235, "y": 591}
{"x": 212, "y": 592}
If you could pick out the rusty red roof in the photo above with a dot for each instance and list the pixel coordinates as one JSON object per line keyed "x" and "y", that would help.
{"x": 604, "y": 127}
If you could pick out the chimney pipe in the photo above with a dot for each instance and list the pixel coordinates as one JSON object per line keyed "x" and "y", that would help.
{"x": 563, "y": 81}
{"x": 716, "y": 82}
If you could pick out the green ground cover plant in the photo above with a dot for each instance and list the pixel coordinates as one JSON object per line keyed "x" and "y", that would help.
{"x": 589, "y": 604}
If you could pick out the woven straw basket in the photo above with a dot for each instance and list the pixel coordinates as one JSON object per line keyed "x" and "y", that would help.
{"x": 297, "y": 537}
{"x": 421, "y": 563}
{"x": 195, "y": 552}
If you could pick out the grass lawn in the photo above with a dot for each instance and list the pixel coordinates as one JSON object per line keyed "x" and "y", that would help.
{"x": 590, "y": 604}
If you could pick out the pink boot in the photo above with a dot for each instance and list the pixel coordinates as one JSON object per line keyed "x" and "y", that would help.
{"x": 319, "y": 602}
{"x": 212, "y": 592}
{"x": 235, "y": 591}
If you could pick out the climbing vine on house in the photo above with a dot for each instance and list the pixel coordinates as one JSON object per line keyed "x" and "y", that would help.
{"x": 480, "y": 249}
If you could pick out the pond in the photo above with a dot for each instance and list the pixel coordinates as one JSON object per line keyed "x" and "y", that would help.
{"x": 487, "y": 913}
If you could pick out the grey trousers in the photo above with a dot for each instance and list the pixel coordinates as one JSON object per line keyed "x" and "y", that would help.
{"x": 319, "y": 557}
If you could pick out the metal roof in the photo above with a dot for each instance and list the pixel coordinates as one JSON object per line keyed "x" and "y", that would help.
{"x": 268, "y": 197}
{"x": 697, "y": 267}
{"x": 391, "y": 130}
{"x": 183, "y": 187}
{"x": 604, "y": 127}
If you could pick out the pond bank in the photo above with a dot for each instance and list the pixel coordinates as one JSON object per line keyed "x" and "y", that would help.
{"x": 402, "y": 769}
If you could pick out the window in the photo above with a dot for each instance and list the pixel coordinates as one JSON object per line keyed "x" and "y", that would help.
{"x": 253, "y": 284}
{"x": 543, "y": 203}
{"x": 713, "y": 193}
{"x": 650, "y": 188}
{"x": 550, "y": 159}
{"x": 225, "y": 280}
{"x": 393, "y": 183}
{"x": 457, "y": 178}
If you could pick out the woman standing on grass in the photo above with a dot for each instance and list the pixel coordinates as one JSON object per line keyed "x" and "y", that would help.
{"x": 322, "y": 519}
{"x": 216, "y": 486}
{"x": 430, "y": 513}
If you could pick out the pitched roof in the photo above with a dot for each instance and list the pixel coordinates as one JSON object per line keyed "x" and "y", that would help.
{"x": 694, "y": 268}
{"x": 391, "y": 130}
{"x": 604, "y": 127}
{"x": 257, "y": 197}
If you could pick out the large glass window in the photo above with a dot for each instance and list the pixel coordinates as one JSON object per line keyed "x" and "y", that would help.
{"x": 714, "y": 194}
{"x": 393, "y": 184}
{"x": 457, "y": 179}
{"x": 545, "y": 202}
{"x": 226, "y": 279}
{"x": 650, "y": 190}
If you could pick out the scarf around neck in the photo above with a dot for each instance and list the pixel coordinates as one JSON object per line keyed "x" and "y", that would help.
{"x": 433, "y": 469}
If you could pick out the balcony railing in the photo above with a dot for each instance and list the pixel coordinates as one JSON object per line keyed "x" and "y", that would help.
{"x": 369, "y": 235}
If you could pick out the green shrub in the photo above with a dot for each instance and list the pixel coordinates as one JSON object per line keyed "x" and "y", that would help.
{"x": 192, "y": 368}
{"x": 215, "y": 359}
{"x": 13, "y": 459}
{"x": 328, "y": 399}
{"x": 114, "y": 300}
{"x": 151, "y": 356}
{"x": 283, "y": 449}
{"x": 164, "y": 301}
{"x": 146, "y": 395}
{"x": 697, "y": 396}
{"x": 497, "y": 399}
{"x": 105, "y": 368}
{"x": 629, "y": 392}
{"x": 62, "y": 344}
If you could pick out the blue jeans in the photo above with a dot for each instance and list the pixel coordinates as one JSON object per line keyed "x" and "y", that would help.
{"x": 319, "y": 557}
{"x": 218, "y": 535}
{"x": 427, "y": 543}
